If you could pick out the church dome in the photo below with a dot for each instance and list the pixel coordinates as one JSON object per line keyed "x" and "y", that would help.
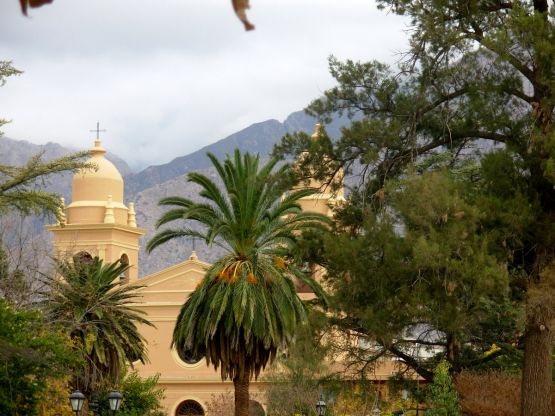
{"x": 96, "y": 185}
{"x": 94, "y": 189}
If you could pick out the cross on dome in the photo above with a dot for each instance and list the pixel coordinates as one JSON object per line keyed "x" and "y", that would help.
{"x": 97, "y": 131}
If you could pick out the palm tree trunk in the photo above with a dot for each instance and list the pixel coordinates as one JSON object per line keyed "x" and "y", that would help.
{"x": 241, "y": 385}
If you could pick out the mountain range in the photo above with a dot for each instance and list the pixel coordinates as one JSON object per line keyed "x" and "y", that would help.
{"x": 257, "y": 138}
{"x": 147, "y": 186}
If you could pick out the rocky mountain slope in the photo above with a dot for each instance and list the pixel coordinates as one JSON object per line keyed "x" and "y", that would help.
{"x": 146, "y": 187}
{"x": 148, "y": 212}
{"x": 257, "y": 138}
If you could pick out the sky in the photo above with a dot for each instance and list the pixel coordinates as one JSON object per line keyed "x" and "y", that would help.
{"x": 167, "y": 77}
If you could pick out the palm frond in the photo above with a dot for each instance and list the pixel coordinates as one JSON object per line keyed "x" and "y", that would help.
{"x": 100, "y": 314}
{"x": 246, "y": 307}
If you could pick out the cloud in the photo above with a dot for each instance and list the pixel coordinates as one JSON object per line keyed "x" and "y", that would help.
{"x": 165, "y": 78}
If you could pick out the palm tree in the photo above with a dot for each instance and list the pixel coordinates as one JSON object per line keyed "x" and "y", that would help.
{"x": 90, "y": 300}
{"x": 246, "y": 306}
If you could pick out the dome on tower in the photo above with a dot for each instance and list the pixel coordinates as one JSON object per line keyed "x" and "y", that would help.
{"x": 96, "y": 185}
{"x": 93, "y": 190}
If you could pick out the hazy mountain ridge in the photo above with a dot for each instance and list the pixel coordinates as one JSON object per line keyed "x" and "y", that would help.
{"x": 18, "y": 152}
{"x": 257, "y": 138}
{"x": 148, "y": 186}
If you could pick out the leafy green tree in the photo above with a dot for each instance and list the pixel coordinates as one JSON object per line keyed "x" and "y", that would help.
{"x": 424, "y": 281}
{"x": 246, "y": 307}
{"x": 478, "y": 74}
{"x": 96, "y": 307}
{"x": 54, "y": 400}
{"x": 141, "y": 397}
{"x": 442, "y": 395}
{"x": 31, "y": 354}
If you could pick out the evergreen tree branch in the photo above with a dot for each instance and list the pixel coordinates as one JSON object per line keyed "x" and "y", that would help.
{"x": 412, "y": 362}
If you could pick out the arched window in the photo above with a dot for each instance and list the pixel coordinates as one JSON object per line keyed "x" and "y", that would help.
{"x": 124, "y": 260}
{"x": 189, "y": 408}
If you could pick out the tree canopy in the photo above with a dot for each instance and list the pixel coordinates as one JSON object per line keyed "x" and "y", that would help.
{"x": 478, "y": 79}
{"x": 31, "y": 354}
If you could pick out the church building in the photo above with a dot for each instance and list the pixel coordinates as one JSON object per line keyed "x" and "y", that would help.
{"x": 97, "y": 222}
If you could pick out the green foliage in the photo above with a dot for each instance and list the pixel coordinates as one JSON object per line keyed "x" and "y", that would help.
{"x": 7, "y": 70}
{"x": 97, "y": 309}
{"x": 20, "y": 185}
{"x": 424, "y": 277}
{"x": 141, "y": 397}
{"x": 31, "y": 353}
{"x": 477, "y": 83}
{"x": 54, "y": 399}
{"x": 442, "y": 396}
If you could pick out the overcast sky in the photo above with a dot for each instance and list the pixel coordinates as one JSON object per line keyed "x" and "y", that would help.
{"x": 166, "y": 77}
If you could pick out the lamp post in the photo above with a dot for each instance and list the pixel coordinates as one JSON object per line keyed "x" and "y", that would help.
{"x": 77, "y": 399}
{"x": 114, "y": 399}
{"x": 321, "y": 406}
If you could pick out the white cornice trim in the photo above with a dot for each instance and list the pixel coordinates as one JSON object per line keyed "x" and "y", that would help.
{"x": 178, "y": 380}
{"x": 91, "y": 227}
{"x": 89, "y": 243}
{"x": 85, "y": 203}
{"x": 156, "y": 304}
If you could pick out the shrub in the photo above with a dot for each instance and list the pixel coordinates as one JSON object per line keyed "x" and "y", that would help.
{"x": 441, "y": 394}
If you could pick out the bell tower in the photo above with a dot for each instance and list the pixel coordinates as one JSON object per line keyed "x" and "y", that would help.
{"x": 96, "y": 222}
{"x": 323, "y": 201}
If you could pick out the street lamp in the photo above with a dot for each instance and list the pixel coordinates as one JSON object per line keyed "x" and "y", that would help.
{"x": 114, "y": 399}
{"x": 76, "y": 399}
{"x": 321, "y": 406}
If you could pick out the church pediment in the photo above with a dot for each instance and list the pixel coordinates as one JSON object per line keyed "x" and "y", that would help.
{"x": 173, "y": 283}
